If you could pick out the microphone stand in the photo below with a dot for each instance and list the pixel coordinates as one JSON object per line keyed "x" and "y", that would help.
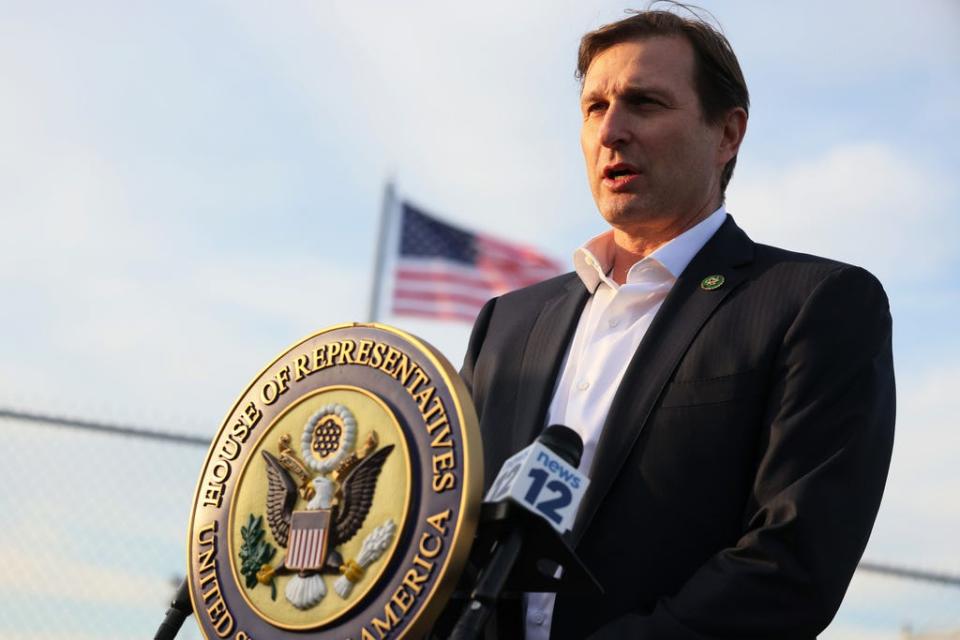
{"x": 510, "y": 567}
{"x": 490, "y": 584}
{"x": 180, "y": 608}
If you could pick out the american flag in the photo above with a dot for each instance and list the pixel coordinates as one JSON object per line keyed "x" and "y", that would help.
{"x": 447, "y": 273}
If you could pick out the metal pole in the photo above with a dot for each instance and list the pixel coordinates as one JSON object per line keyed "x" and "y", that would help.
{"x": 90, "y": 425}
{"x": 378, "y": 259}
{"x": 180, "y": 608}
{"x": 913, "y": 574}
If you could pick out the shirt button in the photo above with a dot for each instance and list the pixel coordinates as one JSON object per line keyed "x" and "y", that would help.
{"x": 583, "y": 386}
{"x": 539, "y": 618}
{"x": 614, "y": 322}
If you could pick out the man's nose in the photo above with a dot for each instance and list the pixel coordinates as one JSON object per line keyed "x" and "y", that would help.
{"x": 614, "y": 129}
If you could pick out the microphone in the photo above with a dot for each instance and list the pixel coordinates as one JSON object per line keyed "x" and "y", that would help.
{"x": 543, "y": 480}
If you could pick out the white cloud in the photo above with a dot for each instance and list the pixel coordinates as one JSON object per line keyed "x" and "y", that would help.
{"x": 184, "y": 343}
{"x": 920, "y": 506}
{"x": 100, "y": 266}
{"x": 831, "y": 43}
{"x": 869, "y": 204}
{"x": 464, "y": 105}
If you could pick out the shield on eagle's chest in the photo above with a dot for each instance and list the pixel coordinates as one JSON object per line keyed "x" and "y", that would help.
{"x": 307, "y": 546}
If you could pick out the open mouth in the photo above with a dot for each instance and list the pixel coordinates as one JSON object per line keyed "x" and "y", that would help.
{"x": 618, "y": 171}
{"x": 619, "y": 175}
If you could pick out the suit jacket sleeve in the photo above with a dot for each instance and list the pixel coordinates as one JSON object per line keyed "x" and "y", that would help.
{"x": 825, "y": 451}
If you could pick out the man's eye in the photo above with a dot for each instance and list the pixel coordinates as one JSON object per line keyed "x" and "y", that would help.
{"x": 596, "y": 107}
{"x": 644, "y": 101}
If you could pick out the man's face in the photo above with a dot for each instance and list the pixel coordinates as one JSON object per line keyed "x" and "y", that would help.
{"x": 651, "y": 158}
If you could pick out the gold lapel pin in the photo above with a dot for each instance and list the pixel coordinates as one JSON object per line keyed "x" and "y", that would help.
{"x": 712, "y": 282}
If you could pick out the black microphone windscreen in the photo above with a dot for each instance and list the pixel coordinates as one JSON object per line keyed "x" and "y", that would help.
{"x": 563, "y": 441}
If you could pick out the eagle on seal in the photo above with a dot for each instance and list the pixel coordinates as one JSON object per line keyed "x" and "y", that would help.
{"x": 333, "y": 516}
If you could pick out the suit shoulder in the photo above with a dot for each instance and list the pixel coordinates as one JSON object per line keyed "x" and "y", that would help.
{"x": 516, "y": 310}
{"x": 806, "y": 272}
{"x": 769, "y": 254}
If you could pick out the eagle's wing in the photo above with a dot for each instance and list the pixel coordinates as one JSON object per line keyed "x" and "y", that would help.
{"x": 281, "y": 498}
{"x": 358, "y": 488}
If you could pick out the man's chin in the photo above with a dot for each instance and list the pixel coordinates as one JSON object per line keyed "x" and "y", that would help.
{"x": 622, "y": 215}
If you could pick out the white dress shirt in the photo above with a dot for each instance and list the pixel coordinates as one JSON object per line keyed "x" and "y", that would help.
{"x": 612, "y": 324}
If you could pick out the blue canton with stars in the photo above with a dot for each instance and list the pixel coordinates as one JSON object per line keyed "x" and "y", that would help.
{"x": 424, "y": 237}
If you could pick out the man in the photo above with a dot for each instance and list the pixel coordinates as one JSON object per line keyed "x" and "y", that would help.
{"x": 735, "y": 400}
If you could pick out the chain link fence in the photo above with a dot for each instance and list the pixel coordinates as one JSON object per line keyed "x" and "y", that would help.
{"x": 93, "y": 542}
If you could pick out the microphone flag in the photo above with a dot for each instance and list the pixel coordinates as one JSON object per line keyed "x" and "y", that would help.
{"x": 543, "y": 483}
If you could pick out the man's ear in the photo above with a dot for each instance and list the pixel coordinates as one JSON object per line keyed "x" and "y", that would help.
{"x": 734, "y": 127}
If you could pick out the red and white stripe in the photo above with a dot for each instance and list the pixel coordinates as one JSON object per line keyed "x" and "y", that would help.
{"x": 305, "y": 549}
{"x": 447, "y": 290}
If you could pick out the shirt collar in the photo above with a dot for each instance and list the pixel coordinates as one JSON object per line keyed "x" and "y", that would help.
{"x": 594, "y": 260}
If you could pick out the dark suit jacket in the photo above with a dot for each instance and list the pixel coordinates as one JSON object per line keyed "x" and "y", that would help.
{"x": 744, "y": 456}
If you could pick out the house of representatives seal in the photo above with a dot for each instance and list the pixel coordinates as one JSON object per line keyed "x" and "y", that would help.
{"x": 340, "y": 496}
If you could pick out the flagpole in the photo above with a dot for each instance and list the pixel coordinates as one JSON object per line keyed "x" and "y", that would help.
{"x": 375, "y": 294}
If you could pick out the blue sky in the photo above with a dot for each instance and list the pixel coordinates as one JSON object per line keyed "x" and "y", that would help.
{"x": 187, "y": 188}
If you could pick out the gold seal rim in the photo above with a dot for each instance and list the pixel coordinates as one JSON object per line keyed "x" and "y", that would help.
{"x": 470, "y": 498}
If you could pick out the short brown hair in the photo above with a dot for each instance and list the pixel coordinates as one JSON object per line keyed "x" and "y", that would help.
{"x": 718, "y": 79}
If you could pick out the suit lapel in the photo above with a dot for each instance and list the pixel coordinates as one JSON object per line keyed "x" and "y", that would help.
{"x": 685, "y": 310}
{"x": 542, "y": 355}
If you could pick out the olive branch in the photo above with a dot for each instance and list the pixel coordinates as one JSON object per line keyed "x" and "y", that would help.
{"x": 255, "y": 556}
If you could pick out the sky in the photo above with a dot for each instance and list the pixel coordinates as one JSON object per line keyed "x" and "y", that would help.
{"x": 187, "y": 188}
